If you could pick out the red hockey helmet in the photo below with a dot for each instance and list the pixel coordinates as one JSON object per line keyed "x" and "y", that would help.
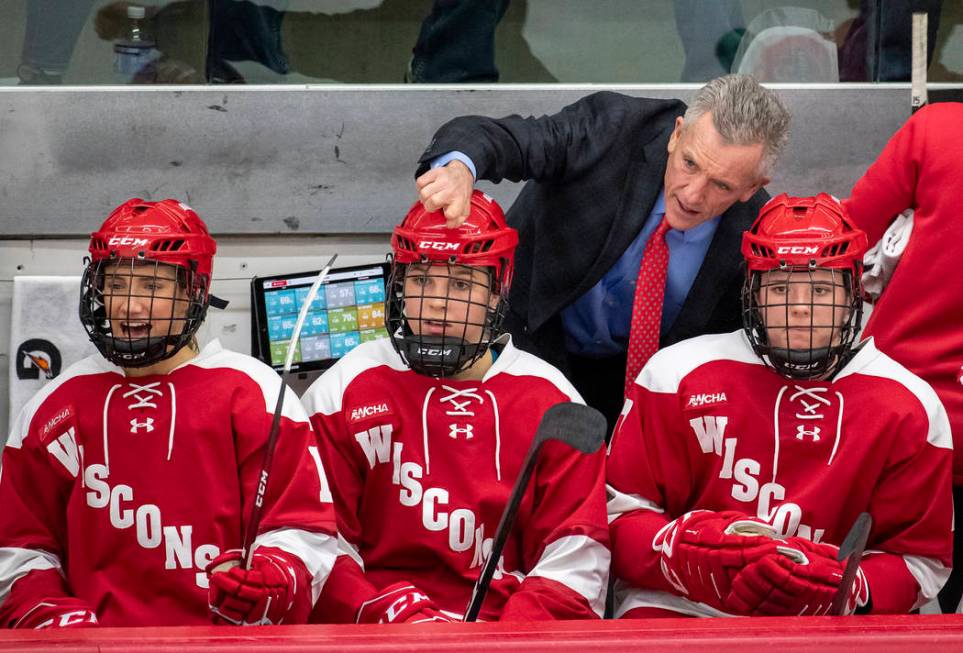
{"x": 483, "y": 241}
{"x": 167, "y": 232}
{"x": 130, "y": 252}
{"x": 791, "y": 240}
{"x": 803, "y": 231}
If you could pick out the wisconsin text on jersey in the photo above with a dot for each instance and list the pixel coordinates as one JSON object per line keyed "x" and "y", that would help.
{"x": 376, "y": 443}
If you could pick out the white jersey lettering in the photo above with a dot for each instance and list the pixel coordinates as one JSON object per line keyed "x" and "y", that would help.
{"x": 746, "y": 487}
{"x": 64, "y": 449}
{"x": 376, "y": 443}
{"x": 148, "y": 525}
{"x": 433, "y": 519}
{"x": 709, "y": 430}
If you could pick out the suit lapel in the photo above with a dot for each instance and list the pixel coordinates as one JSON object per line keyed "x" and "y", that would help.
{"x": 723, "y": 259}
{"x": 643, "y": 182}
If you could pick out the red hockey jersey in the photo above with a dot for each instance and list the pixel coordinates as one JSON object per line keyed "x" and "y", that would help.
{"x": 707, "y": 425}
{"x": 421, "y": 469}
{"x": 918, "y": 318}
{"x": 120, "y": 490}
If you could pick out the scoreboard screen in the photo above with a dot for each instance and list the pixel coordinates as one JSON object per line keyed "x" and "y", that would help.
{"x": 349, "y": 309}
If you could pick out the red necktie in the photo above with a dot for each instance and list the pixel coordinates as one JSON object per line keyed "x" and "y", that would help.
{"x": 647, "y": 306}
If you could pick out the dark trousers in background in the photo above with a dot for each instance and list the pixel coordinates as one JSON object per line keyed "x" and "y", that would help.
{"x": 601, "y": 382}
{"x": 952, "y": 592}
{"x": 457, "y": 42}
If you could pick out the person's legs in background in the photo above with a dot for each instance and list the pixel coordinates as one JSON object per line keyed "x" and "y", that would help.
{"x": 51, "y": 33}
{"x": 457, "y": 43}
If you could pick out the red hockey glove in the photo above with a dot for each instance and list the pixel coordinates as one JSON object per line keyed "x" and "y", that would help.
{"x": 399, "y": 603}
{"x": 703, "y": 551}
{"x": 276, "y": 589}
{"x": 61, "y": 612}
{"x": 800, "y": 578}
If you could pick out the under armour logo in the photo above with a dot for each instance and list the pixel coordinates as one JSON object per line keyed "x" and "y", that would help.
{"x": 460, "y": 408}
{"x": 148, "y": 424}
{"x": 454, "y": 431}
{"x": 801, "y": 433}
{"x": 143, "y": 394}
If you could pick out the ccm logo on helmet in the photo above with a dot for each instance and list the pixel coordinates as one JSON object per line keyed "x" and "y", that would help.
{"x": 126, "y": 240}
{"x": 797, "y": 249}
{"x": 438, "y": 245}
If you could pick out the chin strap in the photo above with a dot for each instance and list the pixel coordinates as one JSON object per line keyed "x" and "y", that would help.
{"x": 438, "y": 356}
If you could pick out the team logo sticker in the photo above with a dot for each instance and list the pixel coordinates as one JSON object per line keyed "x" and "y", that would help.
{"x": 38, "y": 359}
{"x": 698, "y": 400}
{"x": 370, "y": 410}
{"x": 58, "y": 423}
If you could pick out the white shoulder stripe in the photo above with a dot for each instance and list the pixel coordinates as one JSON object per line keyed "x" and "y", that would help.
{"x": 930, "y": 574}
{"x": 666, "y": 369}
{"x": 327, "y": 393}
{"x": 581, "y": 564}
{"x": 870, "y": 361}
{"x": 94, "y": 364}
{"x": 213, "y": 356}
{"x": 316, "y": 550}
{"x": 15, "y": 563}
{"x": 620, "y": 503}
{"x": 628, "y": 598}
{"x": 515, "y": 362}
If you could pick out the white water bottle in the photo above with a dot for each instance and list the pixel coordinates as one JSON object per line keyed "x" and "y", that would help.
{"x": 135, "y": 52}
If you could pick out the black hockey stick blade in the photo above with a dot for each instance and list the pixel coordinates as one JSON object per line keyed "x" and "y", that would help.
{"x": 852, "y": 552}
{"x": 577, "y": 425}
{"x": 580, "y": 427}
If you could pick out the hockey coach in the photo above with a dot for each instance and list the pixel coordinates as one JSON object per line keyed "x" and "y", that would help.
{"x": 630, "y": 222}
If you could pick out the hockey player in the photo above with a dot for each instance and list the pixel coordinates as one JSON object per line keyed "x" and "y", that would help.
{"x": 423, "y": 435}
{"x": 131, "y": 473}
{"x": 741, "y": 461}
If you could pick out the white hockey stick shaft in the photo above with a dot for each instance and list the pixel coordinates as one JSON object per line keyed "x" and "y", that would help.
{"x": 257, "y": 507}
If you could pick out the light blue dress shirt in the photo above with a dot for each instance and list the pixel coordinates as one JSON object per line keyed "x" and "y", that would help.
{"x": 597, "y": 324}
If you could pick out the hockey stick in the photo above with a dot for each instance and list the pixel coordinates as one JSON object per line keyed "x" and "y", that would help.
{"x": 580, "y": 427}
{"x": 918, "y": 95}
{"x": 257, "y": 508}
{"x": 852, "y": 552}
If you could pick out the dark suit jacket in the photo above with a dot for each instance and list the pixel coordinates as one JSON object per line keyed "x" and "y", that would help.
{"x": 595, "y": 170}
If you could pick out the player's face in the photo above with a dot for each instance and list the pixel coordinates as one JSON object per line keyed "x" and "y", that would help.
{"x": 803, "y": 310}
{"x": 448, "y": 300}
{"x": 144, "y": 300}
{"x": 705, "y": 175}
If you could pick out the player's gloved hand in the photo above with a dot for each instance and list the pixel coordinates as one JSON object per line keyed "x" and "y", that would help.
{"x": 800, "y": 578}
{"x": 703, "y": 551}
{"x": 399, "y": 603}
{"x": 276, "y": 589}
{"x": 60, "y": 612}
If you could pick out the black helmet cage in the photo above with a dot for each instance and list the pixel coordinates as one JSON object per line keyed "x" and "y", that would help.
{"x": 167, "y": 334}
{"x": 449, "y": 353}
{"x": 811, "y": 362}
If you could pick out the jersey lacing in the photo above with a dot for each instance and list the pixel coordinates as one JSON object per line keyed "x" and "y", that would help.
{"x": 461, "y": 406}
{"x": 144, "y": 396}
{"x": 808, "y": 402}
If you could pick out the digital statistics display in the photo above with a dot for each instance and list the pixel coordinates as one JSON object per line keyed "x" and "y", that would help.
{"x": 349, "y": 309}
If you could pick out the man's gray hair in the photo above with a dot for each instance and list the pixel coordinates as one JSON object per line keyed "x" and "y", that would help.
{"x": 744, "y": 113}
